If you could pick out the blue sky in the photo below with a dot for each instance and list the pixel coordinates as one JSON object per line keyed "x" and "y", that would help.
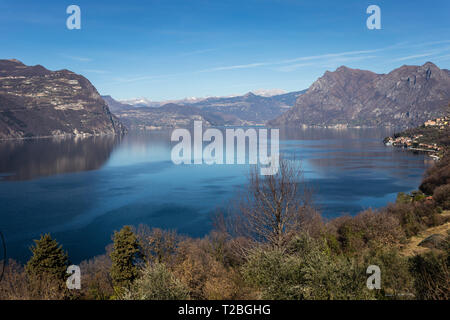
{"x": 171, "y": 49}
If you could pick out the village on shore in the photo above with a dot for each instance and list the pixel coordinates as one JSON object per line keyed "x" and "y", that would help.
{"x": 422, "y": 139}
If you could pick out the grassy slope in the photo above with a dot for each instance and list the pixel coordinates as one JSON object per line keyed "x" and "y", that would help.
{"x": 412, "y": 247}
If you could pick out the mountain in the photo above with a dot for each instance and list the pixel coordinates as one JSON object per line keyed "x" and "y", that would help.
{"x": 143, "y": 102}
{"x": 251, "y": 108}
{"x": 269, "y": 92}
{"x": 405, "y": 97}
{"x": 171, "y": 116}
{"x": 115, "y": 105}
{"x": 248, "y": 109}
{"x": 36, "y": 102}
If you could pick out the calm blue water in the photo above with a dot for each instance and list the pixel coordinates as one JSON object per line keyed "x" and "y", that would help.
{"x": 82, "y": 190}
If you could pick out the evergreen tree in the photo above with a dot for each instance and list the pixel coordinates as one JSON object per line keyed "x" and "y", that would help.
{"x": 48, "y": 259}
{"x": 124, "y": 257}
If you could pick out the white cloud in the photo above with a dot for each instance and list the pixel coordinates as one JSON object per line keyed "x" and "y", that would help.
{"x": 76, "y": 58}
{"x": 288, "y": 61}
{"x": 241, "y": 66}
{"x": 95, "y": 71}
{"x": 414, "y": 57}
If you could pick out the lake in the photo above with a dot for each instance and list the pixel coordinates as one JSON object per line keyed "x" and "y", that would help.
{"x": 81, "y": 190}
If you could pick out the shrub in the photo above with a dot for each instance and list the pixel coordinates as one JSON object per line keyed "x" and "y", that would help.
{"x": 200, "y": 268}
{"x": 436, "y": 176}
{"x": 157, "y": 245}
{"x": 414, "y": 217}
{"x": 368, "y": 229}
{"x": 441, "y": 196}
{"x": 306, "y": 271}
{"x": 431, "y": 276}
{"x": 396, "y": 280}
{"x": 96, "y": 279}
{"x": 156, "y": 282}
{"x": 14, "y": 285}
{"x": 403, "y": 198}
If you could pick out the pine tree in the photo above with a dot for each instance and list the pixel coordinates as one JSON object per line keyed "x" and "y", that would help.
{"x": 125, "y": 255}
{"x": 48, "y": 259}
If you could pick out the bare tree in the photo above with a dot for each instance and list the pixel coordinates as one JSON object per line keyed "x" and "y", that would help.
{"x": 275, "y": 208}
{"x": 157, "y": 245}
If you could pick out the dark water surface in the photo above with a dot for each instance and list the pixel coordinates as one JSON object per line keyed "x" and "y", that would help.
{"x": 81, "y": 190}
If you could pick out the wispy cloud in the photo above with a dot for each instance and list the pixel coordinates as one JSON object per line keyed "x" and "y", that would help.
{"x": 334, "y": 58}
{"x": 95, "y": 71}
{"x": 444, "y": 57}
{"x": 326, "y": 60}
{"x": 240, "y": 66}
{"x": 293, "y": 67}
{"x": 145, "y": 78}
{"x": 77, "y": 58}
{"x": 329, "y": 55}
{"x": 191, "y": 53}
{"x": 414, "y": 56}
{"x": 424, "y": 44}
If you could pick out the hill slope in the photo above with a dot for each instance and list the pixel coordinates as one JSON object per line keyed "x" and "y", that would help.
{"x": 36, "y": 102}
{"x": 406, "y": 97}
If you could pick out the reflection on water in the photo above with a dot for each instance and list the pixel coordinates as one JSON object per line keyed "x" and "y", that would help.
{"x": 82, "y": 190}
{"x": 29, "y": 159}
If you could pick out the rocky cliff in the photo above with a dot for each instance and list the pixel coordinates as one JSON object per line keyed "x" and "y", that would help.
{"x": 405, "y": 97}
{"x": 36, "y": 102}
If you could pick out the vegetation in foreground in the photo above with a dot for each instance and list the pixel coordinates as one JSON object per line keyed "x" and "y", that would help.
{"x": 272, "y": 245}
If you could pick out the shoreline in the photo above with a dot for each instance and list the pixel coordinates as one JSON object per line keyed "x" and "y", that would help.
{"x": 62, "y": 136}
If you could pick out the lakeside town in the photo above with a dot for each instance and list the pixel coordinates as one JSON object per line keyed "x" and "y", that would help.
{"x": 427, "y": 138}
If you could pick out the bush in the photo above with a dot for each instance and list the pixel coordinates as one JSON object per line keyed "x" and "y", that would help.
{"x": 157, "y": 245}
{"x": 96, "y": 279}
{"x": 414, "y": 217}
{"x": 432, "y": 277}
{"x": 436, "y": 176}
{"x": 403, "y": 198}
{"x": 14, "y": 285}
{"x": 441, "y": 196}
{"x": 201, "y": 269}
{"x": 396, "y": 280}
{"x": 368, "y": 229}
{"x": 156, "y": 282}
{"x": 306, "y": 271}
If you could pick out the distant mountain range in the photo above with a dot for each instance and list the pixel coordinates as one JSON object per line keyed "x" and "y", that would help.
{"x": 405, "y": 97}
{"x": 36, "y": 102}
{"x": 168, "y": 116}
{"x": 249, "y": 109}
